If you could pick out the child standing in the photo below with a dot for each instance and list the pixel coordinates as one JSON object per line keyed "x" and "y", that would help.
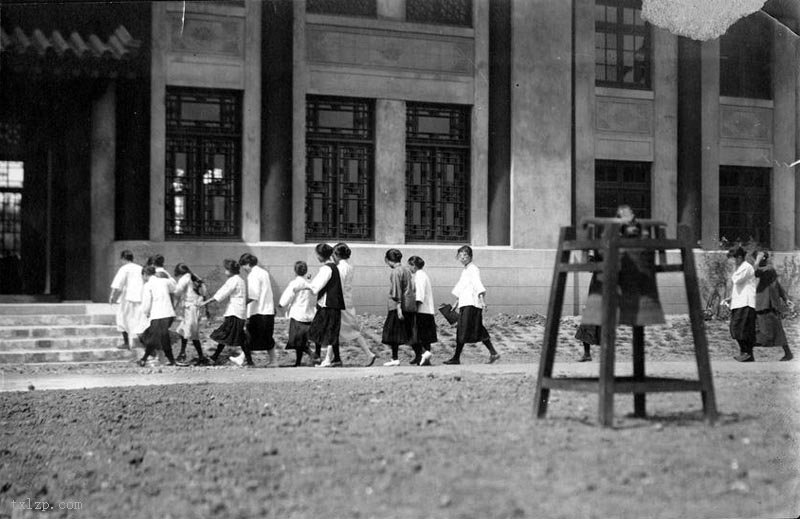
{"x": 743, "y": 305}
{"x": 157, "y": 307}
{"x": 190, "y": 290}
{"x": 770, "y": 296}
{"x": 127, "y": 289}
{"x": 260, "y": 324}
{"x": 469, "y": 293}
{"x": 327, "y": 286}
{"x": 426, "y": 325}
{"x": 231, "y": 332}
{"x": 302, "y": 308}
{"x": 350, "y": 330}
{"x": 399, "y": 325}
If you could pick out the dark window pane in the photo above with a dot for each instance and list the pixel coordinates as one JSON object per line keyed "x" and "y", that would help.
{"x": 745, "y": 58}
{"x": 365, "y": 8}
{"x": 622, "y": 182}
{"x": 444, "y": 12}
{"x": 744, "y": 204}
{"x": 622, "y": 45}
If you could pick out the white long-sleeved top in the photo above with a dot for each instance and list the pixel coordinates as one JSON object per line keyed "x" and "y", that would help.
{"x": 259, "y": 290}
{"x": 185, "y": 290}
{"x": 156, "y": 302}
{"x": 234, "y": 291}
{"x": 128, "y": 280}
{"x": 320, "y": 280}
{"x": 469, "y": 286}
{"x": 302, "y": 304}
{"x": 743, "y": 292}
{"x": 346, "y": 277}
{"x": 424, "y": 292}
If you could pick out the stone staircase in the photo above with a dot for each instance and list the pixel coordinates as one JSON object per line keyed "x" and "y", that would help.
{"x": 59, "y": 332}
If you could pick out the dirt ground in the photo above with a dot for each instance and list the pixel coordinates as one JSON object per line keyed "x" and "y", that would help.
{"x": 437, "y": 444}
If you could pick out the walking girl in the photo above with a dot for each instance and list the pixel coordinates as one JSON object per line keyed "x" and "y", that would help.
{"x": 190, "y": 291}
{"x": 469, "y": 293}
{"x": 234, "y": 291}
{"x": 157, "y": 308}
{"x": 425, "y": 323}
{"x": 350, "y": 330}
{"x": 399, "y": 325}
{"x": 743, "y": 303}
{"x": 327, "y": 286}
{"x": 126, "y": 288}
{"x": 770, "y": 298}
{"x": 302, "y": 308}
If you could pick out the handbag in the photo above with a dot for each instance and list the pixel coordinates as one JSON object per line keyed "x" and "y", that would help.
{"x": 447, "y": 311}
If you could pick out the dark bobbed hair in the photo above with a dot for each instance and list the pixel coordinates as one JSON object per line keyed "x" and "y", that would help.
{"x": 342, "y": 250}
{"x": 183, "y": 268}
{"x": 323, "y": 250}
{"x": 737, "y": 252}
{"x": 418, "y": 262}
{"x": 231, "y": 266}
{"x": 465, "y": 249}
{"x": 300, "y": 268}
{"x": 248, "y": 259}
{"x": 394, "y": 255}
{"x": 148, "y": 270}
{"x": 126, "y": 255}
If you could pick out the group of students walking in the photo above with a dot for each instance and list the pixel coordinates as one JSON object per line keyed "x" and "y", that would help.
{"x": 320, "y": 309}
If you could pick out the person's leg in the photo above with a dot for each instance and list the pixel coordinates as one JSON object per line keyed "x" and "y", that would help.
{"x": 456, "y": 358}
{"x": 125, "y": 340}
{"x": 417, "y": 354}
{"x": 425, "y": 358}
{"x": 587, "y": 353}
{"x": 182, "y": 354}
{"x": 335, "y": 348}
{"x": 787, "y": 353}
{"x": 362, "y": 342}
{"x": 298, "y": 357}
{"x": 199, "y": 349}
{"x": 166, "y": 343}
{"x": 745, "y": 351}
{"x": 216, "y": 354}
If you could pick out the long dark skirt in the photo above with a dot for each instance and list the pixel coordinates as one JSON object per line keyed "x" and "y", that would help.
{"x": 298, "y": 335}
{"x": 230, "y": 332}
{"x": 470, "y": 326}
{"x": 769, "y": 329}
{"x": 426, "y": 329}
{"x": 743, "y": 324}
{"x": 324, "y": 329}
{"x": 588, "y": 333}
{"x": 397, "y": 331}
{"x": 157, "y": 335}
{"x": 260, "y": 328}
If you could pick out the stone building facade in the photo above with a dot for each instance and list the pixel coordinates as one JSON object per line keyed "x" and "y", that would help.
{"x": 267, "y": 127}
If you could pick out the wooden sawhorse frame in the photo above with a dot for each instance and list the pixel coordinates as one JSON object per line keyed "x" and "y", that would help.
{"x": 602, "y": 235}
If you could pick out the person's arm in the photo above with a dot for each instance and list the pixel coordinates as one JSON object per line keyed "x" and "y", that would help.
{"x": 223, "y": 293}
{"x": 320, "y": 280}
{"x": 147, "y": 301}
{"x": 117, "y": 284}
{"x": 288, "y": 295}
{"x": 742, "y": 275}
{"x": 396, "y": 291}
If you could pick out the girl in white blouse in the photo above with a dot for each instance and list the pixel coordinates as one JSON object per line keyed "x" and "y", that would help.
{"x": 157, "y": 309}
{"x": 234, "y": 291}
{"x": 301, "y": 305}
{"x": 190, "y": 290}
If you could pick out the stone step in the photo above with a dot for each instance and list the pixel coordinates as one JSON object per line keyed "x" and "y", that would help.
{"x": 62, "y": 343}
{"x": 55, "y": 332}
{"x": 56, "y": 320}
{"x": 78, "y": 355}
{"x": 42, "y": 308}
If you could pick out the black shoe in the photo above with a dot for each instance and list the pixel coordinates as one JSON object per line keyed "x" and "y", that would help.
{"x": 585, "y": 358}
{"x": 452, "y": 361}
{"x": 181, "y": 357}
{"x": 787, "y": 356}
{"x": 744, "y": 357}
{"x": 123, "y": 346}
{"x": 371, "y": 361}
{"x": 336, "y": 364}
{"x": 201, "y": 361}
{"x": 494, "y": 357}
{"x": 142, "y": 362}
{"x": 415, "y": 362}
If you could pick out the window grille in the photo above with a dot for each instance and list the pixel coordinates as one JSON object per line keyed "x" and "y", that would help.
{"x": 437, "y": 173}
{"x": 339, "y": 168}
{"x": 444, "y": 12}
{"x": 744, "y": 204}
{"x": 623, "y": 53}
{"x": 12, "y": 176}
{"x": 203, "y": 163}
{"x": 744, "y": 60}
{"x": 366, "y": 8}
{"x": 620, "y": 182}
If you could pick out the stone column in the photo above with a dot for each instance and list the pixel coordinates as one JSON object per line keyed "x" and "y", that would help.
{"x": 251, "y": 125}
{"x": 390, "y": 171}
{"x": 541, "y": 117}
{"x": 101, "y": 171}
{"x": 709, "y": 131}
{"x": 784, "y": 180}
{"x": 479, "y": 178}
{"x": 299, "y": 91}
{"x": 584, "y": 109}
{"x": 158, "y": 119}
{"x": 665, "y": 139}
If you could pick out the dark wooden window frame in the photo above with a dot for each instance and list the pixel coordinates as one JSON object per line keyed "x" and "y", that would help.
{"x": 745, "y": 60}
{"x": 440, "y": 12}
{"x": 623, "y": 182}
{"x": 745, "y": 204}
{"x": 209, "y": 149}
{"x": 432, "y": 196}
{"x": 622, "y": 33}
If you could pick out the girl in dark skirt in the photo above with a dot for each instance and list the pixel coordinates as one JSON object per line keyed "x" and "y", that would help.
{"x": 588, "y": 334}
{"x": 770, "y": 298}
{"x": 327, "y": 286}
{"x": 157, "y": 308}
{"x": 302, "y": 308}
{"x": 742, "y": 303}
{"x": 469, "y": 293}
{"x": 231, "y": 332}
{"x": 401, "y": 317}
{"x": 425, "y": 323}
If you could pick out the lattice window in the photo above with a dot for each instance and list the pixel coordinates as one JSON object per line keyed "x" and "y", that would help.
{"x": 622, "y": 42}
{"x": 366, "y": 8}
{"x": 444, "y": 12}
{"x": 744, "y": 59}
{"x": 620, "y": 182}
{"x": 339, "y": 168}
{"x": 203, "y": 163}
{"x": 744, "y": 204}
{"x": 437, "y": 173}
{"x": 12, "y": 176}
